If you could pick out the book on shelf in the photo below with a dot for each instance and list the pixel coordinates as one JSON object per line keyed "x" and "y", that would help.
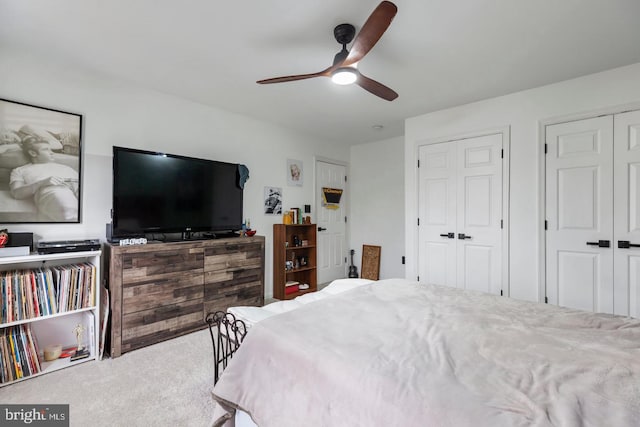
{"x": 291, "y": 283}
{"x": 26, "y": 294}
{"x": 104, "y": 318}
{"x": 290, "y": 289}
{"x": 18, "y": 353}
{"x": 82, "y": 354}
{"x": 90, "y": 325}
{"x": 295, "y": 215}
{"x": 68, "y": 352}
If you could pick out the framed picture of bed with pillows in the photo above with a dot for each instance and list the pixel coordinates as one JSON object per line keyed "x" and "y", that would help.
{"x": 40, "y": 164}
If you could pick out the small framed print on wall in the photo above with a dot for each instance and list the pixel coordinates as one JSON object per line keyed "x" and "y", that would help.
{"x": 40, "y": 164}
{"x": 294, "y": 173}
{"x": 273, "y": 200}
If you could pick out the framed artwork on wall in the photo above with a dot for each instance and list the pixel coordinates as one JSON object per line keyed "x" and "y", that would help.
{"x": 273, "y": 200}
{"x": 294, "y": 173}
{"x": 40, "y": 164}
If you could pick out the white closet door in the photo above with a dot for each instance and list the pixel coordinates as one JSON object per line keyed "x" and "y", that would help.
{"x": 437, "y": 213}
{"x": 331, "y": 237}
{"x": 627, "y": 213}
{"x": 579, "y": 184}
{"x": 478, "y": 231}
{"x": 460, "y": 209}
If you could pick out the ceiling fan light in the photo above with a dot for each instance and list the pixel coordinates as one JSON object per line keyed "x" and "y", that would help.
{"x": 344, "y": 76}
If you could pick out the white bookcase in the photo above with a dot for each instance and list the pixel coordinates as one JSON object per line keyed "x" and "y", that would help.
{"x": 58, "y": 328}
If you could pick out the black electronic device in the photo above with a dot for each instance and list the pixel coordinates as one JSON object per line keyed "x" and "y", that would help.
{"x": 166, "y": 193}
{"x": 62, "y": 246}
{"x": 20, "y": 239}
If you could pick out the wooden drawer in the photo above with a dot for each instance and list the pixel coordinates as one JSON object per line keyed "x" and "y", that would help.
{"x": 158, "y": 291}
{"x": 233, "y": 255}
{"x": 247, "y": 297}
{"x": 148, "y": 327}
{"x": 142, "y": 266}
{"x": 241, "y": 286}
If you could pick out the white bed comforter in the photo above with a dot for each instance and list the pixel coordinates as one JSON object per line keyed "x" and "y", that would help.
{"x": 397, "y": 353}
{"x": 251, "y": 315}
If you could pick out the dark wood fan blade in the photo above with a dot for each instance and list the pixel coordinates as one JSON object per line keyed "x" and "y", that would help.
{"x": 376, "y": 88}
{"x": 324, "y": 73}
{"x": 371, "y": 31}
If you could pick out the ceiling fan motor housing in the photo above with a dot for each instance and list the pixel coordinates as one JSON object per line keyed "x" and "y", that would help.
{"x": 344, "y": 33}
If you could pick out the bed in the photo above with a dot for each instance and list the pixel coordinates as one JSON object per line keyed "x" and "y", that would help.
{"x": 400, "y": 353}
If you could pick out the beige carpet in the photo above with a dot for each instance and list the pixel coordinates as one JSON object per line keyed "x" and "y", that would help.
{"x": 167, "y": 384}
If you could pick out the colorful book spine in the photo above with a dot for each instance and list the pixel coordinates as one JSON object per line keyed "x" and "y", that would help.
{"x": 18, "y": 353}
{"x": 46, "y": 291}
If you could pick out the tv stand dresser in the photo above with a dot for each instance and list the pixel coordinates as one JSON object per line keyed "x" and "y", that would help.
{"x": 160, "y": 291}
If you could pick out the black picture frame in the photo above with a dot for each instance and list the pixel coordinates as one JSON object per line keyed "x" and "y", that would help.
{"x": 40, "y": 164}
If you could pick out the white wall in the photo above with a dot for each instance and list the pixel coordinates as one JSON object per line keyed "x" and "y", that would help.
{"x": 118, "y": 113}
{"x": 523, "y": 112}
{"x": 377, "y": 203}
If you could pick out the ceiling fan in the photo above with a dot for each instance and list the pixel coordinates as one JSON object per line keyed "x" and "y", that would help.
{"x": 344, "y": 71}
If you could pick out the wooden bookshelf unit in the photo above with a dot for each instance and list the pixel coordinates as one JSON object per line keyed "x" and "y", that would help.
{"x": 294, "y": 258}
{"x": 44, "y": 298}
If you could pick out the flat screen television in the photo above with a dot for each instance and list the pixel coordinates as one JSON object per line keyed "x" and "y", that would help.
{"x": 166, "y": 193}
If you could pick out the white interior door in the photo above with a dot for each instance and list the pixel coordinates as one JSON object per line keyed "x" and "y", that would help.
{"x": 437, "y": 213}
{"x": 331, "y": 237}
{"x": 627, "y": 214}
{"x": 479, "y": 216}
{"x": 579, "y": 213}
{"x": 460, "y": 213}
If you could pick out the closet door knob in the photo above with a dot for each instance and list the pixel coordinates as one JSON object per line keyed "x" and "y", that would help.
{"x": 321, "y": 229}
{"x": 462, "y": 236}
{"x": 625, "y": 244}
{"x": 449, "y": 235}
{"x": 601, "y": 244}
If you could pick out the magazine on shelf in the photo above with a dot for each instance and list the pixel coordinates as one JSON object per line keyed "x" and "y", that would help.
{"x": 104, "y": 318}
{"x": 291, "y": 289}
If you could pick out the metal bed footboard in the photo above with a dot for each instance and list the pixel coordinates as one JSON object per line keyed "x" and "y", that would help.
{"x": 227, "y": 333}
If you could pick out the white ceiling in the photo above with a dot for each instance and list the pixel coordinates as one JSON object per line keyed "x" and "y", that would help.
{"x": 436, "y": 53}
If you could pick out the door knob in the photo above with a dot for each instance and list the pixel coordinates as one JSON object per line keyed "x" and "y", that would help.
{"x": 625, "y": 244}
{"x": 602, "y": 243}
{"x": 448, "y": 235}
{"x": 321, "y": 229}
{"x": 462, "y": 236}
